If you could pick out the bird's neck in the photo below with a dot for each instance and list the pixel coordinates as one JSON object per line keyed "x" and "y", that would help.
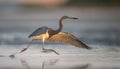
{"x": 60, "y": 26}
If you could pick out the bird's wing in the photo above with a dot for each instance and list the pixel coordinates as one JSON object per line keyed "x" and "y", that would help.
{"x": 67, "y": 38}
{"x": 39, "y": 31}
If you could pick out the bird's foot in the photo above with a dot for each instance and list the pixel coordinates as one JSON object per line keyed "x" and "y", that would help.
{"x": 49, "y": 50}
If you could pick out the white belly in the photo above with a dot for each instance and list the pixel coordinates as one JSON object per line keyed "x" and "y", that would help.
{"x": 42, "y": 36}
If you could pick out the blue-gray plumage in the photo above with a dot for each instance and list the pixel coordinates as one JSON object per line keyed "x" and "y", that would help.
{"x": 39, "y": 31}
{"x": 45, "y": 33}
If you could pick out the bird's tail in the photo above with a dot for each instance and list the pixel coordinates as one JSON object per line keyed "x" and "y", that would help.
{"x": 84, "y": 45}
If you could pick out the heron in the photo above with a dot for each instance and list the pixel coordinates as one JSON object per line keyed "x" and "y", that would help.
{"x": 45, "y": 33}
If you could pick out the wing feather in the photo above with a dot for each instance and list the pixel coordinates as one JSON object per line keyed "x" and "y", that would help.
{"x": 39, "y": 31}
{"x": 67, "y": 38}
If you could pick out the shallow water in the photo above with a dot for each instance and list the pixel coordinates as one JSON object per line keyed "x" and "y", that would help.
{"x": 70, "y": 57}
{"x": 98, "y": 27}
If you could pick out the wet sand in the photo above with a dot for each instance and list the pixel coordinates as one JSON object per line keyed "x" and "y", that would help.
{"x": 70, "y": 58}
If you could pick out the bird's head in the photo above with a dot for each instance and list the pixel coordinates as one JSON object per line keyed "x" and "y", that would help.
{"x": 67, "y": 17}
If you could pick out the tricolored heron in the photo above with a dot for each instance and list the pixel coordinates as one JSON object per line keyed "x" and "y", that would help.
{"x": 45, "y": 33}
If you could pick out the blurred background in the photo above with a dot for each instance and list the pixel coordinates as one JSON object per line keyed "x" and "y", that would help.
{"x": 98, "y": 27}
{"x": 98, "y": 24}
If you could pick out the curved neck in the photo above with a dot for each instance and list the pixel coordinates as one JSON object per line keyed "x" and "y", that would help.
{"x": 60, "y": 26}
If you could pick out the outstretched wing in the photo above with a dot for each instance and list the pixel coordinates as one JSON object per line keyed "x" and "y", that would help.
{"x": 39, "y": 31}
{"x": 67, "y": 38}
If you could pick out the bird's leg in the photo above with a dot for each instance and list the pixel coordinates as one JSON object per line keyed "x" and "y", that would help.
{"x": 48, "y": 50}
{"x": 43, "y": 44}
{"x": 24, "y": 49}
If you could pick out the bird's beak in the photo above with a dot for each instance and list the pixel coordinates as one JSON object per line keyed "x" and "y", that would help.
{"x": 73, "y": 18}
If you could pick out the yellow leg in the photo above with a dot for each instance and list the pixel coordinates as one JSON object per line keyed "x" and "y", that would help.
{"x": 43, "y": 46}
{"x": 43, "y": 40}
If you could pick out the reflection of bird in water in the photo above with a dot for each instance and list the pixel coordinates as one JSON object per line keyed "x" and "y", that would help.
{"x": 85, "y": 66}
{"x": 44, "y": 63}
{"x": 49, "y": 62}
{"x": 45, "y": 33}
{"x": 52, "y": 63}
{"x": 24, "y": 63}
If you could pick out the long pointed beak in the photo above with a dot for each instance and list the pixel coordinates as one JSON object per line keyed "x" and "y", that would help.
{"x": 73, "y": 18}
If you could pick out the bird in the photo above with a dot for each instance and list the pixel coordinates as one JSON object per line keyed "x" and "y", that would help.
{"x": 44, "y": 33}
